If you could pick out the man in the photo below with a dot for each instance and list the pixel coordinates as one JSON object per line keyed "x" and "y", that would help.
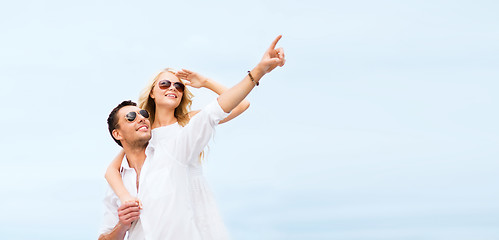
{"x": 131, "y": 130}
{"x": 150, "y": 173}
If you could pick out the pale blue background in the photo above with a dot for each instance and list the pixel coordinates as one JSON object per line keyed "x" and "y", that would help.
{"x": 382, "y": 125}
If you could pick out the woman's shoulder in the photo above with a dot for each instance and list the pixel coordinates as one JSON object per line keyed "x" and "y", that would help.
{"x": 193, "y": 113}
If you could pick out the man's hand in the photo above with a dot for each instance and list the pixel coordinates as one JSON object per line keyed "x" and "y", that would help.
{"x": 128, "y": 212}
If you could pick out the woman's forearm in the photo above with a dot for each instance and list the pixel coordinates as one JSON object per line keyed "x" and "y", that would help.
{"x": 215, "y": 86}
{"x": 114, "y": 179}
{"x": 271, "y": 59}
{"x": 235, "y": 95}
{"x": 219, "y": 89}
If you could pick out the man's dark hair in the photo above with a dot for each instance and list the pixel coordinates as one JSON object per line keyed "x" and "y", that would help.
{"x": 112, "y": 120}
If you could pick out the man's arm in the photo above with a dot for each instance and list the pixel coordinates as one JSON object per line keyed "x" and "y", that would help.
{"x": 118, "y": 232}
{"x": 127, "y": 212}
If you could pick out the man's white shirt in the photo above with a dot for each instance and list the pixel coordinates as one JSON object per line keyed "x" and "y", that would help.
{"x": 164, "y": 182}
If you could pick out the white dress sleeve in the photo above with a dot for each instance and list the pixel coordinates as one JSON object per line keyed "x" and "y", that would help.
{"x": 197, "y": 133}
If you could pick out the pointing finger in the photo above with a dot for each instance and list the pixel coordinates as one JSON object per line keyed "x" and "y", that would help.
{"x": 274, "y": 43}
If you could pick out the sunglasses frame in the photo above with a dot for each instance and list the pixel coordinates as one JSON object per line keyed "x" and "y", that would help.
{"x": 178, "y": 85}
{"x": 135, "y": 117}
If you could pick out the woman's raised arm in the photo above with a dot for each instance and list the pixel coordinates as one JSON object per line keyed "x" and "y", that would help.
{"x": 271, "y": 59}
{"x": 197, "y": 80}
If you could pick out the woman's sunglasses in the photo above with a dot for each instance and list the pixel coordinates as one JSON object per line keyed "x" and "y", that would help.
{"x": 132, "y": 115}
{"x": 165, "y": 84}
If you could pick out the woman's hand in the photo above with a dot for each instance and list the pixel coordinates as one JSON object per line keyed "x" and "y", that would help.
{"x": 272, "y": 57}
{"x": 130, "y": 199}
{"x": 194, "y": 79}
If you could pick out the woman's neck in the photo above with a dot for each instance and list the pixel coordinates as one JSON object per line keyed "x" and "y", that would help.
{"x": 164, "y": 117}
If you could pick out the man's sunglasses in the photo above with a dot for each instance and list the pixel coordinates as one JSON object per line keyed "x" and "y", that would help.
{"x": 165, "y": 84}
{"x": 132, "y": 115}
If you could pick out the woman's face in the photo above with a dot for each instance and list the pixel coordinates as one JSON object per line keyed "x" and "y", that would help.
{"x": 164, "y": 95}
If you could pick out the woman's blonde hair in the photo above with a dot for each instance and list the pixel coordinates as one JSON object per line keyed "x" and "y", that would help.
{"x": 181, "y": 112}
{"x": 147, "y": 102}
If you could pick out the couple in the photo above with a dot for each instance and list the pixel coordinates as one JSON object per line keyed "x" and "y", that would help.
{"x": 162, "y": 166}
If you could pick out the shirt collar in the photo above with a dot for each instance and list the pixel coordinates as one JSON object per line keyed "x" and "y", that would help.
{"x": 149, "y": 150}
{"x": 124, "y": 164}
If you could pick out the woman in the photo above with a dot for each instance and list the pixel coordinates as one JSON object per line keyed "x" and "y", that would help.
{"x": 168, "y": 101}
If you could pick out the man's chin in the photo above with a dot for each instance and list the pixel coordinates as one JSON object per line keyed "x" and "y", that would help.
{"x": 143, "y": 140}
{"x": 146, "y": 137}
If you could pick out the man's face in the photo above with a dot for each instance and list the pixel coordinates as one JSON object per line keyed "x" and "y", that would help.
{"x": 133, "y": 131}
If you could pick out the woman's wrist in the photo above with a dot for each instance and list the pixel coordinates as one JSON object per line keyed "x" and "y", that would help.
{"x": 258, "y": 72}
{"x": 208, "y": 83}
{"x": 126, "y": 197}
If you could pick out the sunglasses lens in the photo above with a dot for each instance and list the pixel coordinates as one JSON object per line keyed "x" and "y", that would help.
{"x": 144, "y": 113}
{"x": 179, "y": 86}
{"x": 164, "y": 84}
{"x": 131, "y": 116}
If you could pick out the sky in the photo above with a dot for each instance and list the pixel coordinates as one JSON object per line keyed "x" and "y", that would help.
{"x": 381, "y": 125}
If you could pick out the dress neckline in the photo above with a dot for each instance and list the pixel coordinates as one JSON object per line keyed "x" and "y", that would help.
{"x": 163, "y": 127}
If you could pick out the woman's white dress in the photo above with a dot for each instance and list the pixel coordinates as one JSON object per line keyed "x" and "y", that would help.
{"x": 196, "y": 135}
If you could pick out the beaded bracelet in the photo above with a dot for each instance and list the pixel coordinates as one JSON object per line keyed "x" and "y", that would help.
{"x": 252, "y": 79}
